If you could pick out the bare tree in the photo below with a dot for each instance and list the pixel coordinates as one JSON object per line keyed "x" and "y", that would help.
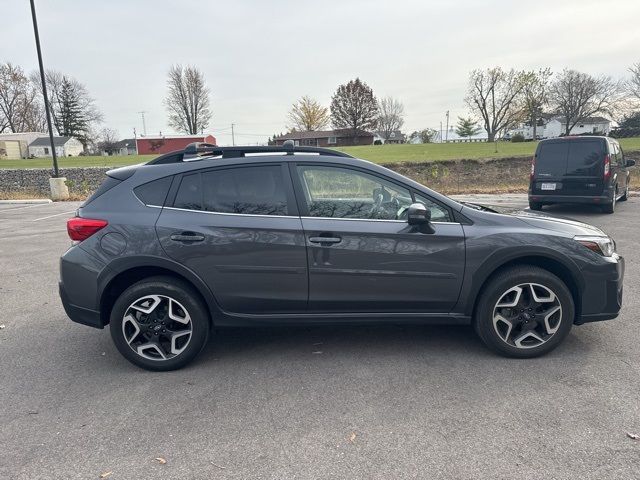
{"x": 188, "y": 100}
{"x": 308, "y": 115}
{"x": 497, "y": 97}
{"x": 536, "y": 96}
{"x": 576, "y": 96}
{"x": 107, "y": 139}
{"x": 354, "y": 106}
{"x": 633, "y": 84}
{"x": 19, "y": 104}
{"x": 390, "y": 117}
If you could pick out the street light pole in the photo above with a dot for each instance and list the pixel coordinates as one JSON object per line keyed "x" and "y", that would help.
{"x": 56, "y": 172}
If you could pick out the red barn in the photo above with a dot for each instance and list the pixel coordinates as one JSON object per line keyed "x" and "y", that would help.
{"x": 156, "y": 145}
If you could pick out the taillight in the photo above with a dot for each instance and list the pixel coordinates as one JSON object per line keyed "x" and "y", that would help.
{"x": 533, "y": 167}
{"x": 80, "y": 229}
{"x": 607, "y": 167}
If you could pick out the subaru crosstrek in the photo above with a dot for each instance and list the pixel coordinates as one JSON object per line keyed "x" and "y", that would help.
{"x": 244, "y": 236}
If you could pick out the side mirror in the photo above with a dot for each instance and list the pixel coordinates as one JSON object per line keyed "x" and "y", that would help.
{"x": 420, "y": 216}
{"x": 631, "y": 163}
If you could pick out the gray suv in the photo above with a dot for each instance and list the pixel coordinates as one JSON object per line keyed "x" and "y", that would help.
{"x": 245, "y": 236}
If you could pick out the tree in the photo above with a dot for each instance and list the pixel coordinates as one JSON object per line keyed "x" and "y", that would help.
{"x": 633, "y": 84}
{"x": 631, "y": 121}
{"x": 308, "y": 115}
{"x": 73, "y": 110}
{"x": 188, "y": 100}
{"x": 19, "y": 107}
{"x": 576, "y": 96}
{"x": 536, "y": 96}
{"x": 354, "y": 107}
{"x": 467, "y": 127}
{"x": 107, "y": 140}
{"x": 390, "y": 117}
{"x": 497, "y": 97}
{"x": 423, "y": 136}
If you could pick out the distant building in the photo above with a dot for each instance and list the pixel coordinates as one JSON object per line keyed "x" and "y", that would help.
{"x": 16, "y": 145}
{"x": 327, "y": 138}
{"x": 121, "y": 148}
{"x": 155, "y": 145}
{"x": 394, "y": 137}
{"x": 552, "y": 126}
{"x": 65, "y": 147}
{"x": 451, "y": 136}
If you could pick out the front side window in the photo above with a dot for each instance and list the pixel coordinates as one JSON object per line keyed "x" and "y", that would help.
{"x": 337, "y": 192}
{"x": 438, "y": 212}
{"x": 245, "y": 190}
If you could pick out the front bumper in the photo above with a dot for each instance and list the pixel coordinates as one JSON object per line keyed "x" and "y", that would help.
{"x": 602, "y": 296}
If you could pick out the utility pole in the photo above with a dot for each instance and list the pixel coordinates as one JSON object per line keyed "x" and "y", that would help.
{"x": 441, "y": 133}
{"x": 56, "y": 172}
{"x": 144, "y": 125}
{"x": 233, "y": 137}
{"x": 447, "y": 131}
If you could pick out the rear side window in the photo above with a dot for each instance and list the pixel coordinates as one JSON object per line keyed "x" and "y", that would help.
{"x": 585, "y": 159}
{"x": 155, "y": 192}
{"x": 244, "y": 190}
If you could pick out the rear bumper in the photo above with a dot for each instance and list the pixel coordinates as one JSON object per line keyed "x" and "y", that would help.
{"x": 592, "y": 200}
{"x": 602, "y": 298}
{"x": 78, "y": 314}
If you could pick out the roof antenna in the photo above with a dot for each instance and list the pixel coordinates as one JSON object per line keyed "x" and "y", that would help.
{"x": 287, "y": 146}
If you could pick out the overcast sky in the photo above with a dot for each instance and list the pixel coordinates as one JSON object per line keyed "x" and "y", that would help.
{"x": 258, "y": 57}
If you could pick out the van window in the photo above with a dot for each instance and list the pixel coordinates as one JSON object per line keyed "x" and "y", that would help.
{"x": 572, "y": 158}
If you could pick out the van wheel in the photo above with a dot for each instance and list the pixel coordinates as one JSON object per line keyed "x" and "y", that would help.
{"x": 535, "y": 206}
{"x": 524, "y": 312}
{"x": 159, "y": 324}
{"x": 611, "y": 207}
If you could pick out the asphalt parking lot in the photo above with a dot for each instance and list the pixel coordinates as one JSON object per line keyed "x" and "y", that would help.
{"x": 322, "y": 402}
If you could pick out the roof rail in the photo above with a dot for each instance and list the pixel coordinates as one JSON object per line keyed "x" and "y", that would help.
{"x": 197, "y": 150}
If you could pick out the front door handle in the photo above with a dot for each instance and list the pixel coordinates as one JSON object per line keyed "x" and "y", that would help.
{"x": 187, "y": 237}
{"x": 327, "y": 240}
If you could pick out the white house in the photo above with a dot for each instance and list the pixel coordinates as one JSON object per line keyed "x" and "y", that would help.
{"x": 591, "y": 125}
{"x": 65, "y": 147}
{"x": 555, "y": 126}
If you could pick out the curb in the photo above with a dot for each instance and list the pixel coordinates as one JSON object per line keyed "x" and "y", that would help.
{"x": 32, "y": 200}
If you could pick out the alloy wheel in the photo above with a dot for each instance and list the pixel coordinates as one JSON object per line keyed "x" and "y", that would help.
{"x": 527, "y": 315}
{"x": 157, "y": 327}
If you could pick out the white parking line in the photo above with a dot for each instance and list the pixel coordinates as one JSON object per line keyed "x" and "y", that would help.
{"x": 4, "y": 210}
{"x": 51, "y": 216}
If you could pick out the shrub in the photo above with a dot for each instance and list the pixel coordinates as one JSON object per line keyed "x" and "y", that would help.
{"x": 517, "y": 137}
{"x": 377, "y": 142}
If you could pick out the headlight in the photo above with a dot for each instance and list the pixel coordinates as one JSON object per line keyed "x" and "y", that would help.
{"x": 604, "y": 246}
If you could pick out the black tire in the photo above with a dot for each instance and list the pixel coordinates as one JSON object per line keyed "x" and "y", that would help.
{"x": 611, "y": 207}
{"x": 182, "y": 295}
{"x": 535, "y": 206}
{"x": 500, "y": 283}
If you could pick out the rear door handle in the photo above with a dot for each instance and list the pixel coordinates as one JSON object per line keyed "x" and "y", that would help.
{"x": 187, "y": 237}
{"x": 325, "y": 240}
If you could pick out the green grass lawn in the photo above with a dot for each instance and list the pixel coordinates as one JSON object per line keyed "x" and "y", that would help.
{"x": 375, "y": 153}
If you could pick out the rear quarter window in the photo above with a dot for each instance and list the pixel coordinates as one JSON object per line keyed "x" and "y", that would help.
{"x": 154, "y": 192}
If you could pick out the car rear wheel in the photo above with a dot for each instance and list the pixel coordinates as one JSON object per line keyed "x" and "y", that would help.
{"x": 535, "y": 206}
{"x": 524, "y": 312}
{"x": 159, "y": 324}
{"x": 624, "y": 197}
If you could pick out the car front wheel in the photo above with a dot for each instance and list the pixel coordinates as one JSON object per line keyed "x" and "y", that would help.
{"x": 159, "y": 324}
{"x": 524, "y": 312}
